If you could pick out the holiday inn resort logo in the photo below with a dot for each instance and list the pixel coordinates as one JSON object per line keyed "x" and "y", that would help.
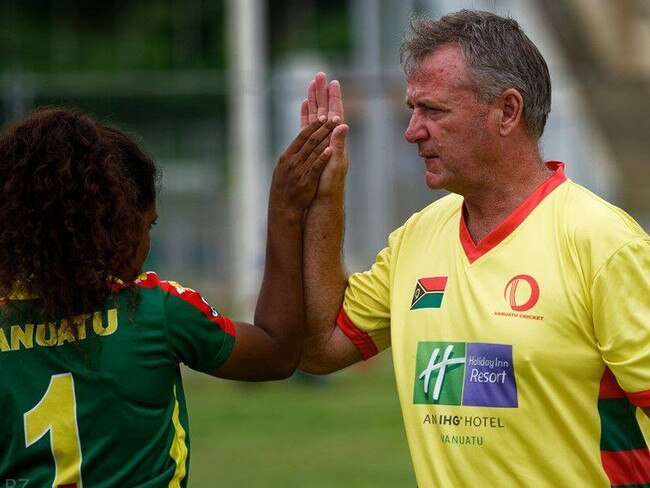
{"x": 465, "y": 373}
{"x": 428, "y": 292}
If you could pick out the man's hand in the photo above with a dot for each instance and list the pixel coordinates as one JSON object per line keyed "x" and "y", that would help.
{"x": 327, "y": 348}
{"x": 298, "y": 170}
{"x": 324, "y": 99}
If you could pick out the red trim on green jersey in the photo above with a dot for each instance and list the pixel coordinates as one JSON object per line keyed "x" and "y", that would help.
{"x": 361, "y": 339}
{"x": 151, "y": 280}
{"x": 609, "y": 387}
{"x": 115, "y": 285}
{"x": 475, "y": 251}
{"x": 627, "y": 467}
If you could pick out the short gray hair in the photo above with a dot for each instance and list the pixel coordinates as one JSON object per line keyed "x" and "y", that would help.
{"x": 498, "y": 56}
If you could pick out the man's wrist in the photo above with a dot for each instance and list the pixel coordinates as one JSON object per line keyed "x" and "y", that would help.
{"x": 334, "y": 198}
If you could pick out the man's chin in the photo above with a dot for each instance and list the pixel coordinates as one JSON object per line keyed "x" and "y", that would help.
{"x": 433, "y": 181}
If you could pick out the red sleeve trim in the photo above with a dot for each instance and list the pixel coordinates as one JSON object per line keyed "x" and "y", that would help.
{"x": 151, "y": 280}
{"x": 627, "y": 468}
{"x": 361, "y": 339}
{"x": 494, "y": 238}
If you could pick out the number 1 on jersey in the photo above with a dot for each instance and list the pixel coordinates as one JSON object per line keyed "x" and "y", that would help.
{"x": 57, "y": 413}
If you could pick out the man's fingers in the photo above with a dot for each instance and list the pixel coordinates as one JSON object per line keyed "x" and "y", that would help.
{"x": 321, "y": 93}
{"x": 311, "y": 101}
{"x": 335, "y": 102}
{"x": 304, "y": 135}
{"x": 304, "y": 114}
{"x": 338, "y": 139}
{"x": 337, "y": 143}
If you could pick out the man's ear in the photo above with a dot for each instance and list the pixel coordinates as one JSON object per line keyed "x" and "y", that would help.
{"x": 511, "y": 105}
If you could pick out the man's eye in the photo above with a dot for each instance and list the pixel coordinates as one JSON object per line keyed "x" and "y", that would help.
{"x": 433, "y": 111}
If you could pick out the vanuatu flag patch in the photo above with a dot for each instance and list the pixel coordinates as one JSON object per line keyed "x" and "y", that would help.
{"x": 428, "y": 292}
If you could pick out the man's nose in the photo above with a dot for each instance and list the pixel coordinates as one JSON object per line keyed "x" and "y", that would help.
{"x": 415, "y": 131}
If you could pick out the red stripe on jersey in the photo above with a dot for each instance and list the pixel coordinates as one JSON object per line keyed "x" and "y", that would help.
{"x": 475, "y": 251}
{"x": 361, "y": 339}
{"x": 609, "y": 387}
{"x": 640, "y": 398}
{"x": 68, "y": 485}
{"x": 437, "y": 283}
{"x": 627, "y": 467}
{"x": 151, "y": 280}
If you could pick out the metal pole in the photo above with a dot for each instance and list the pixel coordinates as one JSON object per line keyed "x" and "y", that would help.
{"x": 249, "y": 138}
{"x": 376, "y": 131}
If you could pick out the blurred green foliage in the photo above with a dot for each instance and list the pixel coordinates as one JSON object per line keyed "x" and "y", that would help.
{"x": 109, "y": 35}
{"x": 113, "y": 35}
{"x": 140, "y": 64}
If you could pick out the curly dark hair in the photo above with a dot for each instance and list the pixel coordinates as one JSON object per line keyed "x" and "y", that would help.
{"x": 71, "y": 211}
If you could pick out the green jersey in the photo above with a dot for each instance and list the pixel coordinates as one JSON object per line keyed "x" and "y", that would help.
{"x": 100, "y": 403}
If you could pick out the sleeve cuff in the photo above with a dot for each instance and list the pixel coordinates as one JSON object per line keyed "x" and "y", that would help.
{"x": 361, "y": 339}
{"x": 224, "y": 351}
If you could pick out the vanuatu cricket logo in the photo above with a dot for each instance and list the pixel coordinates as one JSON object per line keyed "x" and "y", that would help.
{"x": 428, "y": 292}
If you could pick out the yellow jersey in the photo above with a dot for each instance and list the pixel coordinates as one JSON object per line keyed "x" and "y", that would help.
{"x": 519, "y": 361}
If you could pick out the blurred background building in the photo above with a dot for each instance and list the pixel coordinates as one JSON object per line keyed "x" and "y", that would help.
{"x": 213, "y": 87}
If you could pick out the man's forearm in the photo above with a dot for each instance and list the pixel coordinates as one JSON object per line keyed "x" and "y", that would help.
{"x": 324, "y": 274}
{"x": 325, "y": 280}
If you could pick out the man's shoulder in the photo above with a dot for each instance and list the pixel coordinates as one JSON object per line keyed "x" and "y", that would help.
{"x": 587, "y": 212}
{"x": 434, "y": 216}
{"x": 440, "y": 210}
{"x": 591, "y": 220}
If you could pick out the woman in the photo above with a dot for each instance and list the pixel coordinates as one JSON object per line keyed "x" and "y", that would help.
{"x": 90, "y": 347}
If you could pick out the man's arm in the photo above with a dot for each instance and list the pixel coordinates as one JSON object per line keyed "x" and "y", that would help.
{"x": 271, "y": 349}
{"x": 327, "y": 348}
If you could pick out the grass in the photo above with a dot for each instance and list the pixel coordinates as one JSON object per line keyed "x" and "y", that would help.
{"x": 344, "y": 431}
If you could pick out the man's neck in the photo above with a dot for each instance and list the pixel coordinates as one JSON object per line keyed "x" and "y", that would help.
{"x": 486, "y": 209}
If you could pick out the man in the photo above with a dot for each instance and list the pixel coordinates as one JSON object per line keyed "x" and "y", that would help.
{"x": 517, "y": 307}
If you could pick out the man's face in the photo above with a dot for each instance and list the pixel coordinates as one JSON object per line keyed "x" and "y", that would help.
{"x": 450, "y": 126}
